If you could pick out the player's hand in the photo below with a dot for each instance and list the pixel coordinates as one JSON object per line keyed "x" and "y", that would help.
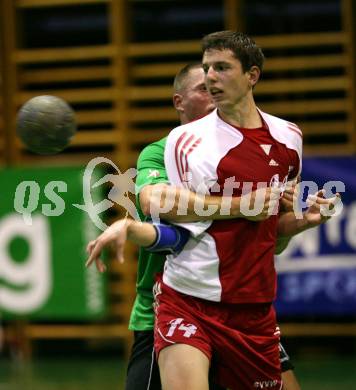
{"x": 115, "y": 234}
{"x": 260, "y": 204}
{"x": 320, "y": 209}
{"x": 290, "y": 196}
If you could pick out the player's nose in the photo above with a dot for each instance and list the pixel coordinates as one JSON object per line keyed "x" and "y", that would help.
{"x": 210, "y": 74}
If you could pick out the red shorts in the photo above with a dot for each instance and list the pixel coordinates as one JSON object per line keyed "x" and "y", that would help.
{"x": 242, "y": 339}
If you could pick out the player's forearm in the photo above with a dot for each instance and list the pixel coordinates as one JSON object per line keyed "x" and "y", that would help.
{"x": 289, "y": 225}
{"x": 141, "y": 233}
{"x": 159, "y": 237}
{"x": 181, "y": 205}
{"x": 281, "y": 244}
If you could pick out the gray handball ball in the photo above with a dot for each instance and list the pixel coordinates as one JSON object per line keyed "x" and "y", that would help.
{"x": 46, "y": 124}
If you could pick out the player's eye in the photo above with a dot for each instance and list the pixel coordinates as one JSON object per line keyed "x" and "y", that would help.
{"x": 221, "y": 67}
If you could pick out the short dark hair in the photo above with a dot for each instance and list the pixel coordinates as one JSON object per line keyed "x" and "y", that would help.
{"x": 243, "y": 47}
{"x": 181, "y": 76}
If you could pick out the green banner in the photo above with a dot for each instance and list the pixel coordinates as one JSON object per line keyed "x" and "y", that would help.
{"x": 43, "y": 240}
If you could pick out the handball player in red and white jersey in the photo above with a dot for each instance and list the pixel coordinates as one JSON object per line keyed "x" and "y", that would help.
{"x": 146, "y": 235}
{"x": 216, "y": 295}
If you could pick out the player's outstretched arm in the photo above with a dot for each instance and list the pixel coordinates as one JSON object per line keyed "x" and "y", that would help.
{"x": 181, "y": 205}
{"x": 166, "y": 201}
{"x": 157, "y": 237}
{"x": 141, "y": 233}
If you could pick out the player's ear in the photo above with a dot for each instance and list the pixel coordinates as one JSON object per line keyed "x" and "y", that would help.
{"x": 177, "y": 102}
{"x": 254, "y": 75}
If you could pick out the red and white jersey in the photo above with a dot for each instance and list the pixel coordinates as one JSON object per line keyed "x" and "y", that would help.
{"x": 229, "y": 260}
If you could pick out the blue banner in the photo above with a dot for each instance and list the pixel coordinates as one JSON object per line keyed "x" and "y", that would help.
{"x": 317, "y": 271}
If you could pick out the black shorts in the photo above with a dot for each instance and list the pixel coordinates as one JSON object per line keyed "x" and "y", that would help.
{"x": 143, "y": 372}
{"x": 286, "y": 364}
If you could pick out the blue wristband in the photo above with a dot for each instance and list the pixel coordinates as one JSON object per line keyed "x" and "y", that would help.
{"x": 170, "y": 238}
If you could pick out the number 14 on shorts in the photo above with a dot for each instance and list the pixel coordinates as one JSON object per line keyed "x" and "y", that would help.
{"x": 188, "y": 329}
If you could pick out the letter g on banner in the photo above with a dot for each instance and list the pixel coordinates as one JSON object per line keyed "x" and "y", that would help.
{"x": 29, "y": 282}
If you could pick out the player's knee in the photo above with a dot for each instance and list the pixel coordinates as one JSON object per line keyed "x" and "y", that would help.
{"x": 183, "y": 367}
